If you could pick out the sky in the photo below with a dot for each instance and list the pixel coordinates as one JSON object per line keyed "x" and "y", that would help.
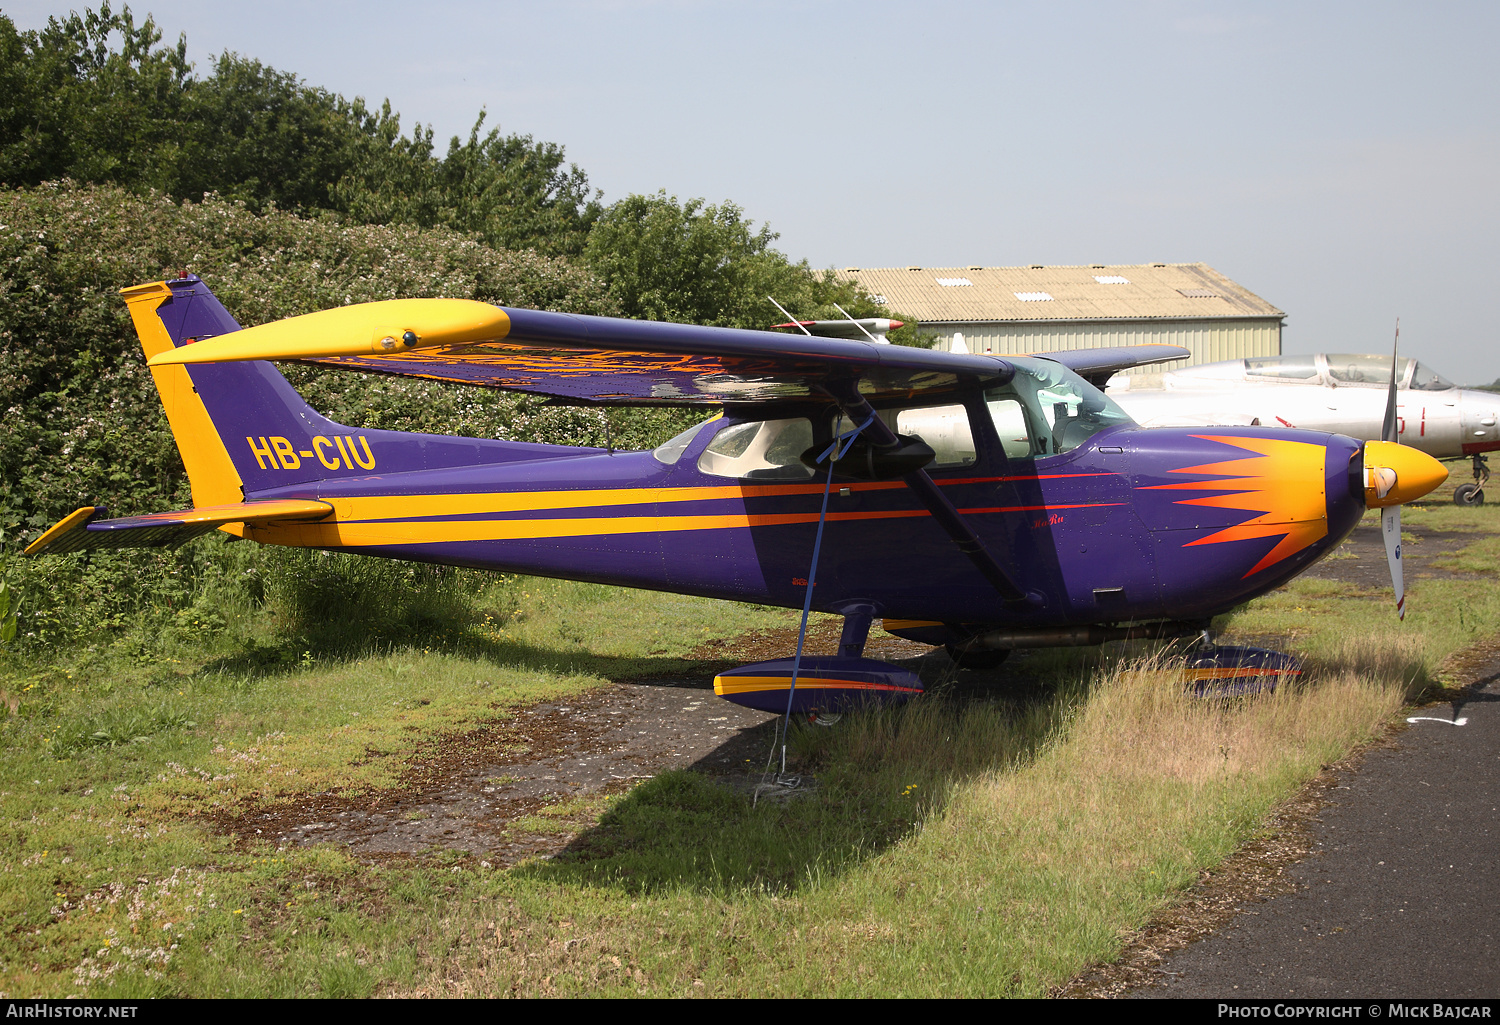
{"x": 1341, "y": 160}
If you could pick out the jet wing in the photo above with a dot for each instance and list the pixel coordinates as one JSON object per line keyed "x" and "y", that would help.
{"x": 597, "y": 360}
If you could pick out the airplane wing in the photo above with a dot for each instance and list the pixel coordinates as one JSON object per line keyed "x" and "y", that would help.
{"x": 594, "y": 360}
{"x": 1097, "y": 365}
{"x": 609, "y": 361}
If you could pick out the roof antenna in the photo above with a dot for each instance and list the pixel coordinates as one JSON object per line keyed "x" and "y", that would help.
{"x": 788, "y": 316}
{"x": 857, "y": 324}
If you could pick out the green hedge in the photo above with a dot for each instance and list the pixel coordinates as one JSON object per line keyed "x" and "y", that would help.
{"x": 83, "y": 423}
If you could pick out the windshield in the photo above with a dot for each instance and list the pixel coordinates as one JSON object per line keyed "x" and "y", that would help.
{"x": 1047, "y": 409}
{"x": 1424, "y": 379}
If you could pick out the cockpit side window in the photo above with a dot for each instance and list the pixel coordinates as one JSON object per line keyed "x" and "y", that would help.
{"x": 1009, "y": 417}
{"x": 944, "y": 429}
{"x": 1358, "y": 368}
{"x": 760, "y": 450}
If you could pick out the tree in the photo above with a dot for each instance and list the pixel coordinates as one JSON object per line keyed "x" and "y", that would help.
{"x": 510, "y": 191}
{"x": 262, "y": 136}
{"x": 699, "y": 264}
{"x": 74, "y": 104}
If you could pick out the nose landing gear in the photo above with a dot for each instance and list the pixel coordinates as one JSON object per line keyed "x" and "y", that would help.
{"x": 1473, "y": 494}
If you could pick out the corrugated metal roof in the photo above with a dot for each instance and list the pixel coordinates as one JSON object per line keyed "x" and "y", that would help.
{"x": 1149, "y": 291}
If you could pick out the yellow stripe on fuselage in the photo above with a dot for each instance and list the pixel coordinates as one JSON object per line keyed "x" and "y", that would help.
{"x": 401, "y": 532}
{"x": 407, "y": 507}
{"x": 384, "y": 520}
{"x": 906, "y": 624}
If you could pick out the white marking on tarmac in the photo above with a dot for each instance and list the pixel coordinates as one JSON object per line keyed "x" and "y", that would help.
{"x": 1460, "y": 721}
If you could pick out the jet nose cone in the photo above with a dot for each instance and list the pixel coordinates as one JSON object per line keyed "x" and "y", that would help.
{"x": 1396, "y": 474}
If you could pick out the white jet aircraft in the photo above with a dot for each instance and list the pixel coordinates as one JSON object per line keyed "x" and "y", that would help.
{"x": 1336, "y": 392}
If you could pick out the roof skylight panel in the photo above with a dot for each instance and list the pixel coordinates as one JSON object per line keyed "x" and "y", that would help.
{"x": 1033, "y": 297}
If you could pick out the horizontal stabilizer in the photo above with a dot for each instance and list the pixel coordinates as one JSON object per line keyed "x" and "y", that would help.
{"x": 84, "y": 530}
{"x": 1232, "y": 669}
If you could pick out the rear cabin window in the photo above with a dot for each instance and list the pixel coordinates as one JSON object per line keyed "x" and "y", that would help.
{"x": 760, "y": 450}
{"x": 670, "y": 451}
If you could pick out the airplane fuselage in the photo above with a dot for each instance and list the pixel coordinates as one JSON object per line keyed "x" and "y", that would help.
{"x": 1132, "y": 525}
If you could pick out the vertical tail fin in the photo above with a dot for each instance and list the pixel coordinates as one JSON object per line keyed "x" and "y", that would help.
{"x": 242, "y": 428}
{"x": 214, "y": 478}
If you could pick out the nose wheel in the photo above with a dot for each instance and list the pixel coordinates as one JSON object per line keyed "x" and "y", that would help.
{"x": 1473, "y": 494}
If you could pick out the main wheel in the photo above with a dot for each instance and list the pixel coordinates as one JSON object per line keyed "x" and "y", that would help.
{"x": 979, "y": 659}
{"x": 1468, "y": 494}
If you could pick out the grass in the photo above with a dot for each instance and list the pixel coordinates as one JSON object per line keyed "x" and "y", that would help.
{"x": 116, "y": 752}
{"x": 949, "y": 848}
{"x": 1003, "y": 864}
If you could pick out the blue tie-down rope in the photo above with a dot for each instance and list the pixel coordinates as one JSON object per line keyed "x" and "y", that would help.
{"x": 837, "y": 450}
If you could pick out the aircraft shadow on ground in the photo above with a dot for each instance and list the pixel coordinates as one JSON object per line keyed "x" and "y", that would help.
{"x": 715, "y": 832}
{"x": 256, "y": 660}
{"x": 699, "y": 830}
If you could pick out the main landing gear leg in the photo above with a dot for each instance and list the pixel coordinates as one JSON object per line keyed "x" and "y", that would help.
{"x": 1473, "y": 494}
{"x": 857, "y": 622}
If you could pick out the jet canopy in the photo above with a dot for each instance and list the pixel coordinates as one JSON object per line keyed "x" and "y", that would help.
{"x": 1334, "y": 369}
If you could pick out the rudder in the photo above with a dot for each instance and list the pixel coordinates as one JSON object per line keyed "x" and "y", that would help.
{"x": 242, "y": 428}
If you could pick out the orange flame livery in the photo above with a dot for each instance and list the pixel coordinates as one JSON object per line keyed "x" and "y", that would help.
{"x": 1283, "y": 482}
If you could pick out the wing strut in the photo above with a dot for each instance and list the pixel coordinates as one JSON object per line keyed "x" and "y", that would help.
{"x": 858, "y": 409}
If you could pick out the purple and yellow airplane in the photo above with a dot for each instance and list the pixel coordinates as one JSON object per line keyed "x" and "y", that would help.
{"x": 979, "y": 502}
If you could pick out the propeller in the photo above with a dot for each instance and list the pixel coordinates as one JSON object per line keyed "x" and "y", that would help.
{"x": 1395, "y": 474}
{"x": 1390, "y": 516}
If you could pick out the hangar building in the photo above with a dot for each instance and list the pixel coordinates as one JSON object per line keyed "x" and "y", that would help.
{"x": 1045, "y": 309}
